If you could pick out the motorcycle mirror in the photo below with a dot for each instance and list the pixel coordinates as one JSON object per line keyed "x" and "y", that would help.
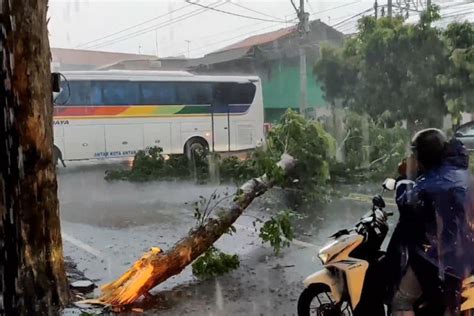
{"x": 389, "y": 184}
{"x": 378, "y": 201}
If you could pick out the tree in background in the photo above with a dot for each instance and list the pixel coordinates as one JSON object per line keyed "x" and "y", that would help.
{"x": 33, "y": 281}
{"x": 458, "y": 81}
{"x": 401, "y": 71}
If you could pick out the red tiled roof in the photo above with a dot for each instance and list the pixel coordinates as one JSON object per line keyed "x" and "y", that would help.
{"x": 261, "y": 38}
{"x": 90, "y": 57}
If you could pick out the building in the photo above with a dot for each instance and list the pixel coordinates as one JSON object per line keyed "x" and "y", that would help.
{"x": 65, "y": 59}
{"x": 274, "y": 57}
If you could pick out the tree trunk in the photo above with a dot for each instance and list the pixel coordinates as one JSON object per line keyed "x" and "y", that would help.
{"x": 155, "y": 267}
{"x": 32, "y": 277}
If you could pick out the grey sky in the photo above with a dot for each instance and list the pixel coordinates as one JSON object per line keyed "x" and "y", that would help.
{"x": 76, "y": 22}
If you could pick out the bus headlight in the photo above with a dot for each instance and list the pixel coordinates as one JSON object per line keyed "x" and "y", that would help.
{"x": 323, "y": 257}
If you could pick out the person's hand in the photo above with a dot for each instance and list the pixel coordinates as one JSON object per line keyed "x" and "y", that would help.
{"x": 408, "y": 168}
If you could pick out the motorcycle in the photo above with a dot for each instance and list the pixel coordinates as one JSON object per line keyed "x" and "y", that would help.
{"x": 352, "y": 279}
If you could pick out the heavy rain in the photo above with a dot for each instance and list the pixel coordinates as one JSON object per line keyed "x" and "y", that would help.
{"x": 237, "y": 157}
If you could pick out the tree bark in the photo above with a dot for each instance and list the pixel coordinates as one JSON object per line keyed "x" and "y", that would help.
{"x": 32, "y": 277}
{"x": 155, "y": 267}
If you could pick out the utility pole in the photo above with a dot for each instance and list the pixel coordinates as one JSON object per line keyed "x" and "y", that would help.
{"x": 303, "y": 28}
{"x": 376, "y": 9}
{"x": 428, "y": 4}
{"x": 389, "y": 7}
{"x": 189, "y": 42}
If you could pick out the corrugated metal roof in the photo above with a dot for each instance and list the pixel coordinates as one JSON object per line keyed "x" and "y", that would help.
{"x": 219, "y": 57}
{"x": 89, "y": 57}
{"x": 261, "y": 38}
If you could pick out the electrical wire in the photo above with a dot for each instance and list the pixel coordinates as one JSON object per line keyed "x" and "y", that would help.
{"x": 337, "y": 7}
{"x": 229, "y": 39}
{"x": 232, "y": 13}
{"x": 155, "y": 27}
{"x": 255, "y": 11}
{"x": 464, "y": 13}
{"x": 351, "y": 17}
{"x": 134, "y": 26}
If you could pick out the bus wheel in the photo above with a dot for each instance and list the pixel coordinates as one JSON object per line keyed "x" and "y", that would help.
{"x": 196, "y": 147}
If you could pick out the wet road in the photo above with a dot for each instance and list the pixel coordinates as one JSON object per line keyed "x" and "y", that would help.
{"x": 108, "y": 225}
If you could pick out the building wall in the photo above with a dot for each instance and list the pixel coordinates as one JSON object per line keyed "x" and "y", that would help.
{"x": 281, "y": 90}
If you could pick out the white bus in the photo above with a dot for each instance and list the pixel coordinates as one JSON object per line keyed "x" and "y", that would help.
{"x": 109, "y": 114}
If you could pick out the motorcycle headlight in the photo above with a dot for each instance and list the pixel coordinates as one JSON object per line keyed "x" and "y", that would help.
{"x": 323, "y": 257}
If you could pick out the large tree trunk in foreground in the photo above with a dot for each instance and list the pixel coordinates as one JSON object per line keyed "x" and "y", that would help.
{"x": 155, "y": 267}
{"x": 32, "y": 277}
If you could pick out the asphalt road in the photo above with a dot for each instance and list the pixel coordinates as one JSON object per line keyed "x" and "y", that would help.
{"x": 108, "y": 225}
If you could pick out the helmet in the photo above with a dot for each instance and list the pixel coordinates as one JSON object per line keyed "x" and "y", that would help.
{"x": 429, "y": 147}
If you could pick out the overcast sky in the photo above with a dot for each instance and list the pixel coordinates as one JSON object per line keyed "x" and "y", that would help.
{"x": 174, "y": 24}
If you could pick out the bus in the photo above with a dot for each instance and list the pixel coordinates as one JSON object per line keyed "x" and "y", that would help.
{"x": 114, "y": 114}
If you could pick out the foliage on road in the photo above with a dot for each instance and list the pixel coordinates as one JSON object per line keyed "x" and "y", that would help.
{"x": 214, "y": 263}
{"x": 414, "y": 72}
{"x": 151, "y": 164}
{"x": 305, "y": 140}
{"x": 279, "y": 230}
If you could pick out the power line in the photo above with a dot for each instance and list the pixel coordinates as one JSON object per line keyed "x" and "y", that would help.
{"x": 255, "y": 11}
{"x": 232, "y": 13}
{"x": 155, "y": 27}
{"x": 351, "y": 17}
{"x": 459, "y": 14}
{"x": 133, "y": 26}
{"x": 337, "y": 7}
{"x": 256, "y": 32}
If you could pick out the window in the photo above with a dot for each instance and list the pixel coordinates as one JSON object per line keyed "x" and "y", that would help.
{"x": 194, "y": 93}
{"x": 74, "y": 93}
{"x": 118, "y": 92}
{"x": 175, "y": 93}
{"x": 158, "y": 93}
{"x": 230, "y": 93}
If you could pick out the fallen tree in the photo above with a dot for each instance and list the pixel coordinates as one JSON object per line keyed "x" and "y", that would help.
{"x": 157, "y": 266}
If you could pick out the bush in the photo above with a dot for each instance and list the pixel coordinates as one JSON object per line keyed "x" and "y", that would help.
{"x": 375, "y": 157}
{"x": 150, "y": 164}
{"x": 310, "y": 144}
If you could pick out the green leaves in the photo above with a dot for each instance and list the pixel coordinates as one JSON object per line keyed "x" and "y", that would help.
{"x": 278, "y": 231}
{"x": 214, "y": 263}
{"x": 411, "y": 70}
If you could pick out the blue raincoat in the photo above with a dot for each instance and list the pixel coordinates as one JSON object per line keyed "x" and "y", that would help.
{"x": 436, "y": 216}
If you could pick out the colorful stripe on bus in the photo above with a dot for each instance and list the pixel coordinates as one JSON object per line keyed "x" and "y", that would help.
{"x": 145, "y": 110}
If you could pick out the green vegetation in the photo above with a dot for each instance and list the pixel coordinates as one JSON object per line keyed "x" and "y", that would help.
{"x": 402, "y": 71}
{"x": 214, "y": 263}
{"x": 278, "y": 231}
{"x": 303, "y": 139}
{"x": 149, "y": 165}
{"x": 373, "y": 156}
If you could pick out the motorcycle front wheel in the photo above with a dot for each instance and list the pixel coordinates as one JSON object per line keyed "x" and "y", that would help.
{"x": 317, "y": 300}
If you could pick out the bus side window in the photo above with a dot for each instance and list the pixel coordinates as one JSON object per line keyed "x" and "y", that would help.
{"x": 194, "y": 93}
{"x": 120, "y": 93}
{"x": 96, "y": 93}
{"x": 158, "y": 93}
{"x": 242, "y": 93}
{"x": 80, "y": 93}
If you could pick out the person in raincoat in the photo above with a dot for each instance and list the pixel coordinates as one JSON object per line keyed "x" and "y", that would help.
{"x": 431, "y": 247}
